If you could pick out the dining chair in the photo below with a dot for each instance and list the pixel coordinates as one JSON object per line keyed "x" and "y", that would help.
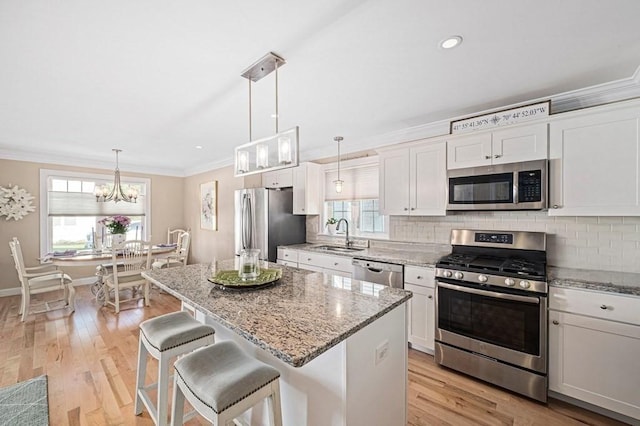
{"x": 179, "y": 256}
{"x": 173, "y": 235}
{"x": 131, "y": 261}
{"x": 40, "y": 279}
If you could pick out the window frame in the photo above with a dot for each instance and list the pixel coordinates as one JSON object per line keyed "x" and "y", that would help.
{"x": 45, "y": 174}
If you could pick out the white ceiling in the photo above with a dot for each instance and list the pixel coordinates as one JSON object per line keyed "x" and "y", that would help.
{"x": 156, "y": 77}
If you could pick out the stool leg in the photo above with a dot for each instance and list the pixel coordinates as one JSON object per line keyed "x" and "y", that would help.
{"x": 274, "y": 404}
{"x": 142, "y": 370}
{"x": 163, "y": 390}
{"x": 177, "y": 411}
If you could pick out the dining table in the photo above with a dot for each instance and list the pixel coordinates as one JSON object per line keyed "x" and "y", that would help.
{"x": 101, "y": 259}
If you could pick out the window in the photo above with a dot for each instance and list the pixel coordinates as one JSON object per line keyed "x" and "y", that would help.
{"x": 69, "y": 215}
{"x": 358, "y": 201}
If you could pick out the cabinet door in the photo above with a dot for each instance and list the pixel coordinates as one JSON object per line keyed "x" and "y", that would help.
{"x": 306, "y": 189}
{"x": 469, "y": 151}
{"x": 524, "y": 143}
{"x": 428, "y": 180}
{"x": 594, "y": 164}
{"x": 421, "y": 318}
{"x": 596, "y": 361}
{"x": 278, "y": 178}
{"x": 394, "y": 182}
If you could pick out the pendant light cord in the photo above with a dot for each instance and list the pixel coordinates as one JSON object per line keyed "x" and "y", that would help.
{"x": 277, "y": 113}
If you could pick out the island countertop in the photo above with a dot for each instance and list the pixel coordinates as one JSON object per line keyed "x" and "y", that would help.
{"x": 296, "y": 319}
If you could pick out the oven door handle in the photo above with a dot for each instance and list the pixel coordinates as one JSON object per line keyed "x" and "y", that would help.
{"x": 505, "y": 296}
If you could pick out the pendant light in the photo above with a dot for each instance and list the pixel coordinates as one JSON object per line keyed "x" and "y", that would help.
{"x": 274, "y": 152}
{"x": 117, "y": 193}
{"x": 338, "y": 183}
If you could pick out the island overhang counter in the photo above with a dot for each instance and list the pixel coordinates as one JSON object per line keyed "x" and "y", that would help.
{"x": 340, "y": 344}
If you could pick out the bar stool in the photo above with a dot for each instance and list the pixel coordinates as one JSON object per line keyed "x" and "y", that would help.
{"x": 221, "y": 382}
{"x": 163, "y": 338}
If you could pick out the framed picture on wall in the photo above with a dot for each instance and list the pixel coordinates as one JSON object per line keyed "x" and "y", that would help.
{"x": 209, "y": 205}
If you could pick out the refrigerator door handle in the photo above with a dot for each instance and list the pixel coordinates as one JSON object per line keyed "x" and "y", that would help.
{"x": 247, "y": 222}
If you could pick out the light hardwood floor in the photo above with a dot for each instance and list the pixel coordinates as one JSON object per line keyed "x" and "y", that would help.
{"x": 90, "y": 359}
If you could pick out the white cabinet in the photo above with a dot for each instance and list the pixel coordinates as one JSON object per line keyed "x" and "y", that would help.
{"x": 288, "y": 257}
{"x": 421, "y": 307}
{"x": 307, "y": 189}
{"x": 278, "y": 178}
{"x": 594, "y": 162}
{"x": 319, "y": 262}
{"x": 413, "y": 180}
{"x": 509, "y": 145}
{"x": 594, "y": 345}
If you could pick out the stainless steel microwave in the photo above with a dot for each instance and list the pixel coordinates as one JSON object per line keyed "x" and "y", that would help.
{"x": 512, "y": 186}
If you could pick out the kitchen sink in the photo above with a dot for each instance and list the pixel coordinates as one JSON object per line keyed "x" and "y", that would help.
{"x": 340, "y": 249}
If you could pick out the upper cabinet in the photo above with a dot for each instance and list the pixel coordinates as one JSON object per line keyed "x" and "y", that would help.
{"x": 306, "y": 189}
{"x": 413, "y": 180}
{"x": 594, "y": 162}
{"x": 278, "y": 178}
{"x": 510, "y": 145}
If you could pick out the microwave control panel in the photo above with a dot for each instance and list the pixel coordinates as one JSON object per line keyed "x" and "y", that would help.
{"x": 529, "y": 186}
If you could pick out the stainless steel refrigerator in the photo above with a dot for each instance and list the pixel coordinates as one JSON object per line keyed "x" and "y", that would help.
{"x": 264, "y": 220}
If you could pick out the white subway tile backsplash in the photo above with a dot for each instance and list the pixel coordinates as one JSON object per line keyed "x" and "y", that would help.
{"x": 606, "y": 243}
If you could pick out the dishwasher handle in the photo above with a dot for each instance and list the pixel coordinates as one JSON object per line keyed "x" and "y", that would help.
{"x": 375, "y": 270}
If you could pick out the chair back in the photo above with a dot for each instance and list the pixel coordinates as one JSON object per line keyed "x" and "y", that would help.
{"x": 182, "y": 249}
{"x": 16, "y": 253}
{"x": 132, "y": 259}
{"x": 173, "y": 235}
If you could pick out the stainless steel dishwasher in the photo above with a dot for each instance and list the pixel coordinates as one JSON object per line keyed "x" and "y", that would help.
{"x": 391, "y": 274}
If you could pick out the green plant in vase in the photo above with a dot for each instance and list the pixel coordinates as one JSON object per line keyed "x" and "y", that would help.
{"x": 331, "y": 225}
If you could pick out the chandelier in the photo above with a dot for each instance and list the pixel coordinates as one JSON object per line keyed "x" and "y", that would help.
{"x": 273, "y": 152}
{"x": 117, "y": 193}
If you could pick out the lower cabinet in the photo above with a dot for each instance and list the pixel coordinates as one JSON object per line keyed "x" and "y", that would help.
{"x": 317, "y": 262}
{"x": 594, "y": 349}
{"x": 421, "y": 307}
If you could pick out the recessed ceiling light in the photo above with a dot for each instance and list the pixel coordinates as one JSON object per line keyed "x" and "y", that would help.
{"x": 198, "y": 146}
{"x": 451, "y": 42}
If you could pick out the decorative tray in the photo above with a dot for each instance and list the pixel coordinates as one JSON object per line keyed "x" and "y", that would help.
{"x": 230, "y": 279}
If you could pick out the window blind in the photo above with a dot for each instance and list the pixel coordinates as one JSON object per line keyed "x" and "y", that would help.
{"x": 83, "y": 204}
{"x": 360, "y": 182}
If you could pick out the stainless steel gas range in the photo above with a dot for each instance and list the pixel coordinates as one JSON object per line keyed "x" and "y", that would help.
{"x": 491, "y": 309}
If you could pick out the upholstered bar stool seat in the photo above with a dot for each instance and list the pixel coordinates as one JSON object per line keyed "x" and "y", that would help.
{"x": 163, "y": 338}
{"x": 221, "y": 382}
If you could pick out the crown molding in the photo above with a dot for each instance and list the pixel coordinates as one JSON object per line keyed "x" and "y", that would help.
{"x": 207, "y": 167}
{"x": 64, "y": 160}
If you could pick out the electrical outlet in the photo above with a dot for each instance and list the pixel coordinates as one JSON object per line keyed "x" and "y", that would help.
{"x": 382, "y": 351}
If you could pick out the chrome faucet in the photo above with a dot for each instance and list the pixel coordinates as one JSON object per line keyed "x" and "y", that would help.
{"x": 347, "y": 241}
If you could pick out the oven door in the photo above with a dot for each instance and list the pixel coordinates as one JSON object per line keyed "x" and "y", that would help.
{"x": 508, "y": 327}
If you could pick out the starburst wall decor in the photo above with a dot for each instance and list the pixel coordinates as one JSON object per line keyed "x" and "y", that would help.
{"x": 15, "y": 203}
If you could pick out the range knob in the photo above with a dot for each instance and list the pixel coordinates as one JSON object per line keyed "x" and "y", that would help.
{"x": 525, "y": 284}
{"x": 510, "y": 282}
{"x": 482, "y": 278}
{"x": 458, "y": 275}
{"x": 447, "y": 274}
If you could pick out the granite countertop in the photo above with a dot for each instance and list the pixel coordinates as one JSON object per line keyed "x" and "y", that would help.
{"x": 296, "y": 319}
{"x": 606, "y": 281}
{"x": 422, "y": 257}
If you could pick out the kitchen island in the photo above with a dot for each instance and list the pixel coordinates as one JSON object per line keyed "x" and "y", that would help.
{"x": 340, "y": 344}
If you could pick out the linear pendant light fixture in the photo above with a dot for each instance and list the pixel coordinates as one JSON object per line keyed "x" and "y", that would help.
{"x": 338, "y": 182}
{"x": 117, "y": 193}
{"x": 274, "y": 152}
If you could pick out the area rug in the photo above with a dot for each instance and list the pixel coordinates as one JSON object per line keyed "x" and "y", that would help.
{"x": 25, "y": 403}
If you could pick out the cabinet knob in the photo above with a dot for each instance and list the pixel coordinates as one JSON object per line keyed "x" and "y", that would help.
{"x": 286, "y": 255}
{"x": 405, "y": 209}
{"x": 556, "y": 206}
{"x": 555, "y": 322}
{"x": 419, "y": 277}
{"x": 604, "y": 307}
{"x": 429, "y": 297}
{"x": 335, "y": 264}
{"x": 413, "y": 208}
{"x": 308, "y": 258}
{"x": 487, "y": 157}
{"x": 302, "y": 209}
{"x": 497, "y": 156}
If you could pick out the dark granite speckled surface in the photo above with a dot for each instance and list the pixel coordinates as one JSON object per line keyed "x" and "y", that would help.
{"x": 296, "y": 319}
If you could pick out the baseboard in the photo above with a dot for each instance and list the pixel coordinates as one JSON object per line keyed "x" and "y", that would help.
{"x": 15, "y": 291}
{"x": 591, "y": 407}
